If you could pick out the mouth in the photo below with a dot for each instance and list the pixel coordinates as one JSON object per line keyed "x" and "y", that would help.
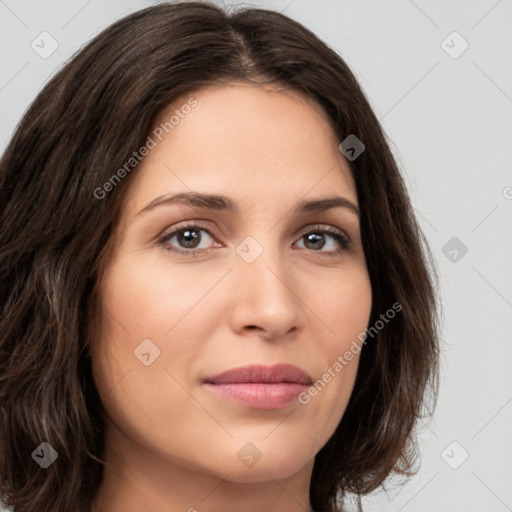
{"x": 260, "y": 387}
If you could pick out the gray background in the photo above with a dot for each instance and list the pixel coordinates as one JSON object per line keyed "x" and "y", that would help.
{"x": 450, "y": 123}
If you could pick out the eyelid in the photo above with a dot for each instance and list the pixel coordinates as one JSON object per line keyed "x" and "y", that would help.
{"x": 203, "y": 224}
{"x": 332, "y": 230}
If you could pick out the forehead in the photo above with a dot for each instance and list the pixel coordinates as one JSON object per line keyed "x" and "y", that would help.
{"x": 246, "y": 142}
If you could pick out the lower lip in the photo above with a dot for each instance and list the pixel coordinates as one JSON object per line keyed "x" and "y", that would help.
{"x": 260, "y": 395}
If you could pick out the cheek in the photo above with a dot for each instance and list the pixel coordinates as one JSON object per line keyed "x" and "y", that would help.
{"x": 143, "y": 299}
{"x": 150, "y": 314}
{"x": 153, "y": 300}
{"x": 141, "y": 315}
{"x": 351, "y": 296}
{"x": 344, "y": 308}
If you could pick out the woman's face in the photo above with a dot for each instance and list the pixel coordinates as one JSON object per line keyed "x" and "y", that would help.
{"x": 260, "y": 283}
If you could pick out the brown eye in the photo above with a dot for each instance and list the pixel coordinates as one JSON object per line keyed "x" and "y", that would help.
{"x": 188, "y": 238}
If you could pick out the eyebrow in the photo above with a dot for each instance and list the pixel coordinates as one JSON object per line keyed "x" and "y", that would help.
{"x": 223, "y": 203}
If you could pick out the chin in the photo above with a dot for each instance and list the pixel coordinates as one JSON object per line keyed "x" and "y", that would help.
{"x": 274, "y": 463}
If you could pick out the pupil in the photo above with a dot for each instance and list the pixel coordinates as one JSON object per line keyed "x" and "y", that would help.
{"x": 317, "y": 240}
{"x": 188, "y": 239}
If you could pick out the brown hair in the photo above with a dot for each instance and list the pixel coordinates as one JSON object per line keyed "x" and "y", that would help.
{"x": 54, "y": 233}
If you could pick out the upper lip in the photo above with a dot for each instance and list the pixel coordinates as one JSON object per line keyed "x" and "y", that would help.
{"x": 261, "y": 374}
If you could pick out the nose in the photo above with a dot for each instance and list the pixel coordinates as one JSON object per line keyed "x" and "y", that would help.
{"x": 265, "y": 298}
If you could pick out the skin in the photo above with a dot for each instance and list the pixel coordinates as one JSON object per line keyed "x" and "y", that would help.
{"x": 172, "y": 444}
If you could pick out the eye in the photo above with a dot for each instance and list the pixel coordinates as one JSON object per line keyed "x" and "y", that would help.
{"x": 188, "y": 237}
{"x": 315, "y": 239}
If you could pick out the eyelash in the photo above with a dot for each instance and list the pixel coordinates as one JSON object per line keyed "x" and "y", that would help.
{"x": 335, "y": 233}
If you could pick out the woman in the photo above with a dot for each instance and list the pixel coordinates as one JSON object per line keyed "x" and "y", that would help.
{"x": 214, "y": 292}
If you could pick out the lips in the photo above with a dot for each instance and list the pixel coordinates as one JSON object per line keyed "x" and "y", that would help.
{"x": 263, "y": 375}
{"x": 260, "y": 387}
